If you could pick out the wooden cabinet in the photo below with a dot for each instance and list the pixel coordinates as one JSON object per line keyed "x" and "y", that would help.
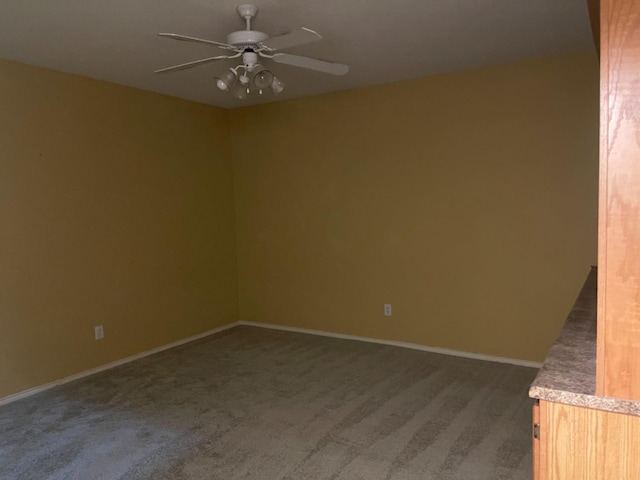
{"x": 577, "y": 443}
{"x": 535, "y": 434}
{"x": 571, "y": 441}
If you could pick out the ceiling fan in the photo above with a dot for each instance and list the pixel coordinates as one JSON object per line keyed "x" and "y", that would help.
{"x": 250, "y": 46}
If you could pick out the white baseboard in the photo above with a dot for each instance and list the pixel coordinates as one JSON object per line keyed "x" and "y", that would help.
{"x": 412, "y": 346}
{"x": 102, "y": 368}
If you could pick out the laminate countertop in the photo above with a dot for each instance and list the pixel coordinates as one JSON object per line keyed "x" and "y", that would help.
{"x": 568, "y": 375}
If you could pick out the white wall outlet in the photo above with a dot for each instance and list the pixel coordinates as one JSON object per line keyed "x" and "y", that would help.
{"x": 99, "y": 331}
{"x": 387, "y": 309}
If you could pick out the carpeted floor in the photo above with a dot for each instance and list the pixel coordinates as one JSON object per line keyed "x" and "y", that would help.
{"x": 257, "y": 404}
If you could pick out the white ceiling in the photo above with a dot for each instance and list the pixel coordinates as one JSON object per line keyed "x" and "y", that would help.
{"x": 381, "y": 40}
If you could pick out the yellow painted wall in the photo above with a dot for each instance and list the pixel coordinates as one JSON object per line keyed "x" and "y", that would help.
{"x": 467, "y": 201}
{"x": 116, "y": 208}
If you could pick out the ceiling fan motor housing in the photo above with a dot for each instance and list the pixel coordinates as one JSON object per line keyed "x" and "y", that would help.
{"x": 246, "y": 38}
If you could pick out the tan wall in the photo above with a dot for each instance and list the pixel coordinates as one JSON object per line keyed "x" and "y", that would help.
{"x": 117, "y": 209}
{"x": 467, "y": 200}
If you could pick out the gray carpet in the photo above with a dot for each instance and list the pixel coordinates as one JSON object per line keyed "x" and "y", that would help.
{"x": 257, "y": 404}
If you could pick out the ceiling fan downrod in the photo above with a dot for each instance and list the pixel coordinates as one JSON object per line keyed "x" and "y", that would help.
{"x": 247, "y": 11}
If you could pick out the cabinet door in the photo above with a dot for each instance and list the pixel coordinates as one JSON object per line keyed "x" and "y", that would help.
{"x": 535, "y": 435}
{"x": 580, "y": 443}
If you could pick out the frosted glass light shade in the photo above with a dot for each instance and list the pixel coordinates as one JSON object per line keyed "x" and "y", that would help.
{"x": 277, "y": 85}
{"x": 263, "y": 79}
{"x": 226, "y": 80}
{"x": 240, "y": 91}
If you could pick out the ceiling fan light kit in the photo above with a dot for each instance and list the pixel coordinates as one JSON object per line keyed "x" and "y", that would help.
{"x": 277, "y": 86}
{"x": 240, "y": 91}
{"x": 226, "y": 80}
{"x": 252, "y": 46}
{"x": 262, "y": 78}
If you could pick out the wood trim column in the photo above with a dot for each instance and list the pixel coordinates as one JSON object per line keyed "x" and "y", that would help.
{"x": 618, "y": 364}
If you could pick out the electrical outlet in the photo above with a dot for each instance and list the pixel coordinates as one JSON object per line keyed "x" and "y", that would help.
{"x": 99, "y": 331}
{"x": 387, "y": 309}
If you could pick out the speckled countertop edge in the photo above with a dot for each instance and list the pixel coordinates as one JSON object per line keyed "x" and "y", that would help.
{"x": 568, "y": 375}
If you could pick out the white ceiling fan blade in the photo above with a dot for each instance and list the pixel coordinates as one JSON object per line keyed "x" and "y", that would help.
{"x": 296, "y": 37}
{"x": 184, "y": 66}
{"x": 311, "y": 63}
{"x": 185, "y": 38}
